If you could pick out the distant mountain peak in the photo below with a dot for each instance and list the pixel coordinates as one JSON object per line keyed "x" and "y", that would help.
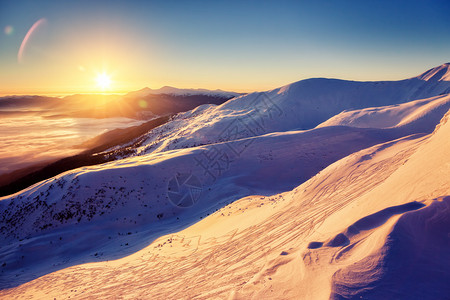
{"x": 182, "y": 92}
{"x": 439, "y": 73}
{"x": 145, "y": 89}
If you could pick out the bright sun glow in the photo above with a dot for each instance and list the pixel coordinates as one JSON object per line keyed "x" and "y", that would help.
{"x": 103, "y": 81}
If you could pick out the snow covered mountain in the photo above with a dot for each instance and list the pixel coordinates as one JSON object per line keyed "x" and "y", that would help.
{"x": 269, "y": 195}
{"x": 169, "y": 100}
{"x": 441, "y": 73}
{"x": 393, "y": 115}
{"x": 300, "y": 105}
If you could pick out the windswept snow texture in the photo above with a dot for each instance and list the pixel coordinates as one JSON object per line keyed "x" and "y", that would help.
{"x": 240, "y": 201}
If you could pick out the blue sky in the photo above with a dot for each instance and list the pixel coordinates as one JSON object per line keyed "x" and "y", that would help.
{"x": 241, "y": 45}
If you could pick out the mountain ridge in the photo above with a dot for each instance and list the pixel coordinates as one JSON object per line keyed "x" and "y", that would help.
{"x": 181, "y": 92}
{"x": 320, "y": 204}
{"x": 301, "y": 105}
{"x": 439, "y": 73}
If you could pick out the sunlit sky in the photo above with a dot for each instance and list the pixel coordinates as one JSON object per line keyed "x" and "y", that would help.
{"x": 232, "y": 45}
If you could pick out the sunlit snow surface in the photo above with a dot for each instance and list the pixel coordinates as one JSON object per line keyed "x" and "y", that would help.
{"x": 289, "y": 201}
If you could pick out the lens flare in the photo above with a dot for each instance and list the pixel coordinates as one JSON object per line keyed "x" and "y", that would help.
{"x": 9, "y": 30}
{"x": 143, "y": 103}
{"x": 27, "y": 37}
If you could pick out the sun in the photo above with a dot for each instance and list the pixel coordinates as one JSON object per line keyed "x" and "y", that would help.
{"x": 103, "y": 81}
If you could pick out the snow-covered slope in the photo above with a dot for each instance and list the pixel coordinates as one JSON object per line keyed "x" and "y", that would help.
{"x": 110, "y": 202}
{"x": 393, "y": 115}
{"x": 300, "y": 105}
{"x": 372, "y": 225}
{"x": 323, "y": 212}
{"x": 125, "y": 204}
{"x": 441, "y": 73}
